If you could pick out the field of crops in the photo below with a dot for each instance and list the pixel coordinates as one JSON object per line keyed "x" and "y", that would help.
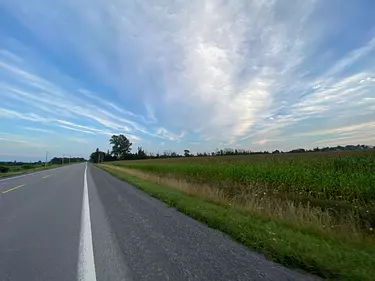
{"x": 341, "y": 184}
{"x": 326, "y": 199}
{"x": 343, "y": 176}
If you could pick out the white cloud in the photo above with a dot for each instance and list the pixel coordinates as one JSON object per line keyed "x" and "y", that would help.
{"x": 164, "y": 133}
{"x": 65, "y": 103}
{"x": 353, "y": 57}
{"x": 200, "y": 55}
{"x": 38, "y": 130}
{"x": 7, "y": 55}
{"x": 211, "y": 43}
{"x": 19, "y": 141}
{"x": 220, "y": 71}
{"x": 7, "y": 113}
{"x": 79, "y": 140}
{"x": 363, "y": 127}
{"x": 354, "y": 140}
{"x": 77, "y": 130}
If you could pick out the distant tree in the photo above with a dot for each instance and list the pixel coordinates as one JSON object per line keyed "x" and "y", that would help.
{"x": 228, "y": 151}
{"x": 94, "y": 157}
{"x": 299, "y": 150}
{"x": 186, "y": 152}
{"x": 151, "y": 155}
{"x": 141, "y": 153}
{"x": 107, "y": 157}
{"x": 56, "y": 160}
{"x": 59, "y": 160}
{"x": 166, "y": 154}
{"x": 97, "y": 157}
{"x": 121, "y": 146}
{"x": 4, "y": 169}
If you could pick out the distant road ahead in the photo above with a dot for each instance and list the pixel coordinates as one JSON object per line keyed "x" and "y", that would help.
{"x": 78, "y": 223}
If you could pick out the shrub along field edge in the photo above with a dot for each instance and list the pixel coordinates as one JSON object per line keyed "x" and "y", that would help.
{"x": 28, "y": 171}
{"x": 319, "y": 255}
{"x": 339, "y": 184}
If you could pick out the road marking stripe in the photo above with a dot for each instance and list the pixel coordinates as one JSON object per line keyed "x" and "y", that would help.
{"x": 21, "y": 176}
{"x": 14, "y": 188}
{"x": 30, "y": 174}
{"x": 46, "y": 177}
{"x": 86, "y": 263}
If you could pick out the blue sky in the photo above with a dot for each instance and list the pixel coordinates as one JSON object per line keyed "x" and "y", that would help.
{"x": 200, "y": 75}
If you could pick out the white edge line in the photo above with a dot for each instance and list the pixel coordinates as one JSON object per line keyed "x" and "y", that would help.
{"x": 29, "y": 174}
{"x": 21, "y": 176}
{"x": 86, "y": 264}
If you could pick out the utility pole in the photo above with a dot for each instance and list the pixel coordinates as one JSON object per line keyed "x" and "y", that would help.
{"x": 45, "y": 163}
{"x": 63, "y": 160}
{"x": 69, "y": 159}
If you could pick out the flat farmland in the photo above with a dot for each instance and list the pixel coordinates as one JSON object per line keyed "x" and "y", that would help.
{"x": 299, "y": 209}
{"x": 339, "y": 185}
{"x": 343, "y": 176}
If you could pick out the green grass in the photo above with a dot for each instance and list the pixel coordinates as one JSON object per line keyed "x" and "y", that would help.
{"x": 341, "y": 183}
{"x": 317, "y": 254}
{"x": 18, "y": 170}
{"x": 339, "y": 176}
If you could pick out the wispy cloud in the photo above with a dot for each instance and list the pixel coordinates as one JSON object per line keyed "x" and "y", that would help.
{"x": 19, "y": 140}
{"x": 164, "y": 133}
{"x": 79, "y": 140}
{"x": 7, "y": 113}
{"x": 243, "y": 73}
{"x": 38, "y": 130}
{"x": 77, "y": 130}
{"x": 352, "y": 129}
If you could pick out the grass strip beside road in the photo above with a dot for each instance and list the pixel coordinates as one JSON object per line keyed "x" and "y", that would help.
{"x": 28, "y": 171}
{"x": 320, "y": 255}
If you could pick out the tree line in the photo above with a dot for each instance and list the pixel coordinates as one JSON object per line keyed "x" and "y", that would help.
{"x": 7, "y": 166}
{"x": 121, "y": 150}
{"x": 55, "y": 161}
{"x": 66, "y": 160}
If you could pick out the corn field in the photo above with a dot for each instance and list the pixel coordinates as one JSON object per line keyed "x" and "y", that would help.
{"x": 342, "y": 176}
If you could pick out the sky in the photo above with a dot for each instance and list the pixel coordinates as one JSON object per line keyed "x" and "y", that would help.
{"x": 175, "y": 75}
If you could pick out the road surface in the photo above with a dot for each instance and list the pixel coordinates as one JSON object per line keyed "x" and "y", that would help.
{"x": 80, "y": 223}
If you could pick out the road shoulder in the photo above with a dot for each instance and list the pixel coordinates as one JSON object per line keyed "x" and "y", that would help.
{"x": 178, "y": 244}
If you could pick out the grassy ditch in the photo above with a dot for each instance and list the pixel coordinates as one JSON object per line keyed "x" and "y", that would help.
{"x": 331, "y": 192}
{"x": 324, "y": 253}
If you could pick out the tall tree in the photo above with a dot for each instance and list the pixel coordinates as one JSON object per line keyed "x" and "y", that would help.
{"x": 97, "y": 156}
{"x": 121, "y": 146}
{"x": 141, "y": 153}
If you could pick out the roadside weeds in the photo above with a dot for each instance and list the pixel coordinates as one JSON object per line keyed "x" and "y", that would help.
{"x": 255, "y": 201}
{"x": 284, "y": 233}
{"x": 29, "y": 171}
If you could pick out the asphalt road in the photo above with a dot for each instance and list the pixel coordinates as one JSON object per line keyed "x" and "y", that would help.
{"x": 78, "y": 223}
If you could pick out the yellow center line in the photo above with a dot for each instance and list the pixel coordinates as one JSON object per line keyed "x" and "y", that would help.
{"x": 46, "y": 177}
{"x": 14, "y": 188}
